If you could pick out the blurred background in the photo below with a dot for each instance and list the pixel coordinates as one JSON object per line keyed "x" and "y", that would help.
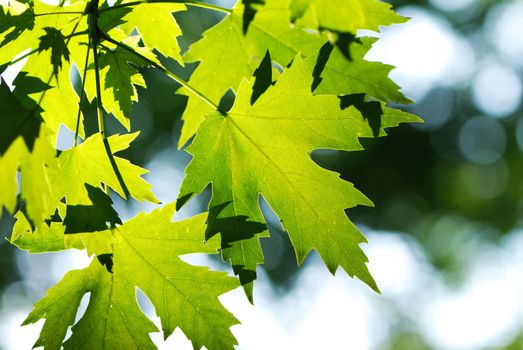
{"x": 445, "y": 237}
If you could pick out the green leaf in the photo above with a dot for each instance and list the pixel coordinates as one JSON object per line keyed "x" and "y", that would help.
{"x": 10, "y": 163}
{"x": 341, "y": 78}
{"x": 119, "y": 72}
{"x": 113, "y": 319}
{"x": 91, "y": 218}
{"x": 344, "y": 15}
{"x": 183, "y": 295}
{"x": 265, "y": 149}
{"x": 271, "y": 30}
{"x": 17, "y": 119}
{"x": 46, "y": 179}
{"x": 93, "y": 163}
{"x": 15, "y": 19}
{"x": 55, "y": 41}
{"x": 35, "y": 178}
{"x": 46, "y": 238}
{"x": 158, "y": 16}
{"x": 54, "y": 46}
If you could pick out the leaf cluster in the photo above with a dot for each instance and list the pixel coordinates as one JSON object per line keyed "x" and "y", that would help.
{"x": 301, "y": 83}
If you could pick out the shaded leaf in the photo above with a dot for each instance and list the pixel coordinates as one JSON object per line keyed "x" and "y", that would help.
{"x": 89, "y": 218}
{"x": 55, "y": 41}
{"x": 17, "y": 119}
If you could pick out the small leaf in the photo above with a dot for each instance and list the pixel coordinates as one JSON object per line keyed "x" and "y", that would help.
{"x": 55, "y": 41}
{"x": 93, "y": 163}
{"x": 158, "y": 16}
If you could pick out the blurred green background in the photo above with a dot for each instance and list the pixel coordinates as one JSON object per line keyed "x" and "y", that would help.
{"x": 445, "y": 237}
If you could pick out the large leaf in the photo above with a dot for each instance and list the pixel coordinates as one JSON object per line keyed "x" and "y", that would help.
{"x": 265, "y": 149}
{"x": 145, "y": 253}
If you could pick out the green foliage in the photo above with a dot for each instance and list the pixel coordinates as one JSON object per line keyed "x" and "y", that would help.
{"x": 301, "y": 83}
{"x": 184, "y": 296}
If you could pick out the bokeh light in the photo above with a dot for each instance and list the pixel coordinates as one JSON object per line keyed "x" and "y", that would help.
{"x": 497, "y": 89}
{"x": 482, "y": 140}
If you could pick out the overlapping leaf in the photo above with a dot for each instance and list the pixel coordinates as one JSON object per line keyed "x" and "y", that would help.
{"x": 344, "y": 16}
{"x": 54, "y": 38}
{"x": 93, "y": 162}
{"x": 227, "y": 53}
{"x": 148, "y": 18}
{"x": 264, "y": 149}
{"x": 47, "y": 179}
{"x": 52, "y": 43}
{"x": 183, "y": 295}
{"x": 261, "y": 147}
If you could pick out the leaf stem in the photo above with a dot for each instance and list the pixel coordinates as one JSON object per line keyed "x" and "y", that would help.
{"x": 94, "y": 38}
{"x": 58, "y": 13}
{"x": 77, "y": 129}
{"x": 24, "y": 56}
{"x": 186, "y": 2}
{"x": 163, "y": 70}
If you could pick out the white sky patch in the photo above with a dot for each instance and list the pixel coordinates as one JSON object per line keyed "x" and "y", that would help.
{"x": 15, "y": 337}
{"x": 426, "y": 51}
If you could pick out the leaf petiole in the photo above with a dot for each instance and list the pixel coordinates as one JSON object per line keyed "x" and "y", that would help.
{"x": 77, "y": 129}
{"x": 58, "y": 13}
{"x": 187, "y": 2}
{"x": 94, "y": 38}
{"x": 163, "y": 70}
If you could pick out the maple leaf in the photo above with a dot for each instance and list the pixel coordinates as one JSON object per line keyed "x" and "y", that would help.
{"x": 52, "y": 45}
{"x": 265, "y": 149}
{"x": 183, "y": 295}
{"x": 17, "y": 118}
{"x": 46, "y": 238}
{"x": 10, "y": 163}
{"x": 271, "y": 30}
{"x": 93, "y": 163}
{"x": 119, "y": 71}
{"x": 35, "y": 177}
{"x": 47, "y": 179}
{"x": 344, "y": 15}
{"x": 55, "y": 41}
{"x": 158, "y": 15}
